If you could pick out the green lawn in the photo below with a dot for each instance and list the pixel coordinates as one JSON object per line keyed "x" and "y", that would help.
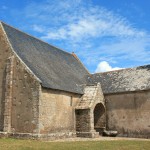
{"x": 14, "y": 144}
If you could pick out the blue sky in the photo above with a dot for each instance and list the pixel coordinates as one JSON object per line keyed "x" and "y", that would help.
{"x": 105, "y": 34}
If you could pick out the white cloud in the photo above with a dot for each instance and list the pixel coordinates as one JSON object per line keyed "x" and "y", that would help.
{"x": 93, "y": 24}
{"x": 94, "y": 33}
{"x": 105, "y": 66}
{"x": 38, "y": 28}
{"x": 75, "y": 20}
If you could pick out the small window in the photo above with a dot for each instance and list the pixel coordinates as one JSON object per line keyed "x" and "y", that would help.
{"x": 71, "y": 101}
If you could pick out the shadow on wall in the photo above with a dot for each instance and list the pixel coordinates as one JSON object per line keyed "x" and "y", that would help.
{"x": 2, "y": 103}
{"x": 99, "y": 118}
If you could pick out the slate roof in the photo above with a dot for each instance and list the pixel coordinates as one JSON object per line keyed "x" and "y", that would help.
{"x": 55, "y": 68}
{"x": 60, "y": 70}
{"x": 132, "y": 79}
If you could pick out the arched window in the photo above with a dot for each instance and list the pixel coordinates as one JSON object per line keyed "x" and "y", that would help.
{"x": 99, "y": 118}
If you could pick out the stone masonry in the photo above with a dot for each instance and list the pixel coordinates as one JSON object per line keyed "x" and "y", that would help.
{"x": 85, "y": 124}
{"x": 47, "y": 93}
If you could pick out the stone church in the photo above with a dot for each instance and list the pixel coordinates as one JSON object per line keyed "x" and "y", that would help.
{"x": 46, "y": 92}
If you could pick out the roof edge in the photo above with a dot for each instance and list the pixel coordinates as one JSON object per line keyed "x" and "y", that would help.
{"x": 35, "y": 37}
{"x": 7, "y": 39}
{"x": 136, "y": 67}
{"x": 76, "y": 57}
{"x": 78, "y": 93}
{"x": 123, "y": 92}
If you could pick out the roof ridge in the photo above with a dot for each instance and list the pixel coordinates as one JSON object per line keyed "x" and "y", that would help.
{"x": 120, "y": 69}
{"x": 34, "y": 37}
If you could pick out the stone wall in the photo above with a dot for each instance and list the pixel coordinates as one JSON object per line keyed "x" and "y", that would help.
{"x": 57, "y": 111}
{"x": 129, "y": 113}
{"x": 83, "y": 120}
{"x": 5, "y": 52}
{"x": 25, "y": 100}
{"x": 19, "y": 92}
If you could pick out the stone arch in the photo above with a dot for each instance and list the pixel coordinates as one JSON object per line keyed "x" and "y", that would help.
{"x": 99, "y": 118}
{"x": 91, "y": 105}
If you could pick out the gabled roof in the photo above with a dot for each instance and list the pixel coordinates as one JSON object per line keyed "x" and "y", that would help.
{"x": 60, "y": 70}
{"x": 92, "y": 95}
{"x": 132, "y": 79}
{"x": 55, "y": 68}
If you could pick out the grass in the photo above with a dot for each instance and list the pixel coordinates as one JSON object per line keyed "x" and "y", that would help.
{"x": 15, "y": 144}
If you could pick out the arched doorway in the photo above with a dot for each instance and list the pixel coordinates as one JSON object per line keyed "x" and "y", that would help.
{"x": 99, "y": 118}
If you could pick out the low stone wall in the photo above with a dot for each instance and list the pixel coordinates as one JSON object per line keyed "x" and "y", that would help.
{"x": 52, "y": 136}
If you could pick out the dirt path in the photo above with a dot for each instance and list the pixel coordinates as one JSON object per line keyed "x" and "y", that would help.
{"x": 99, "y": 139}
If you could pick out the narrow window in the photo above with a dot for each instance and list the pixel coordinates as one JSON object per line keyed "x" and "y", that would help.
{"x": 71, "y": 101}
